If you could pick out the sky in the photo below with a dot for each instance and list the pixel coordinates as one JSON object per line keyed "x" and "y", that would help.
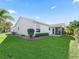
{"x": 47, "y": 11}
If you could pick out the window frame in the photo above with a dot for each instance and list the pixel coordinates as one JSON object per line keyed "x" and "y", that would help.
{"x": 37, "y": 30}
{"x": 18, "y": 28}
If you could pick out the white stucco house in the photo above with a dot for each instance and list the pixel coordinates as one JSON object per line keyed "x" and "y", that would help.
{"x": 23, "y": 24}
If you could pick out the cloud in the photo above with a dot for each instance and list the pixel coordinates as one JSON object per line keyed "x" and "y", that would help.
{"x": 37, "y": 17}
{"x": 12, "y": 11}
{"x": 75, "y": 1}
{"x": 53, "y": 7}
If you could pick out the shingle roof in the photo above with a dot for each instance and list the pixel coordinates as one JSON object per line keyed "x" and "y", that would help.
{"x": 52, "y": 25}
{"x": 58, "y": 25}
{"x": 34, "y": 21}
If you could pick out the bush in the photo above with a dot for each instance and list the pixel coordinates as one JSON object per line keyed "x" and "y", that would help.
{"x": 14, "y": 33}
{"x": 41, "y": 34}
{"x": 30, "y": 32}
{"x": 76, "y": 33}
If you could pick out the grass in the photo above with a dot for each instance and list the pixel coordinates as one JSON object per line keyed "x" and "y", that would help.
{"x": 2, "y": 37}
{"x": 12, "y": 47}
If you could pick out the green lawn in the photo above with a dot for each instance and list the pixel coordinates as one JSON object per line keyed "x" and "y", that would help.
{"x": 12, "y": 47}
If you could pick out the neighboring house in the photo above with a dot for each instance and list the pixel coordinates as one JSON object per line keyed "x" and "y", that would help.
{"x": 57, "y": 29}
{"x": 24, "y": 23}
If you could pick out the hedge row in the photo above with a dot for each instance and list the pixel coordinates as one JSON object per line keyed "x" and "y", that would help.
{"x": 41, "y": 34}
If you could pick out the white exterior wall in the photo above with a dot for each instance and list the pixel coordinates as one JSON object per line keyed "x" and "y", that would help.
{"x": 43, "y": 28}
{"x": 24, "y": 24}
{"x": 50, "y": 32}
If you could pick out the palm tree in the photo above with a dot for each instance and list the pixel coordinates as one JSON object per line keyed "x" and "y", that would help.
{"x": 1, "y": 26}
{"x": 4, "y": 17}
{"x": 72, "y": 26}
{"x": 8, "y": 26}
{"x": 68, "y": 30}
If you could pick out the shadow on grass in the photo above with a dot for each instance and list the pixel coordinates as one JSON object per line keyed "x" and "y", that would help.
{"x": 51, "y": 48}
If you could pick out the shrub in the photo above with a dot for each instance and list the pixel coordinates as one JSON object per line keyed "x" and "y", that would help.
{"x": 30, "y": 32}
{"x": 41, "y": 34}
{"x": 14, "y": 33}
{"x": 76, "y": 33}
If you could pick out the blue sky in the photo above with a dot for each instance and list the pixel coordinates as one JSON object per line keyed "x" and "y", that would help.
{"x": 47, "y": 11}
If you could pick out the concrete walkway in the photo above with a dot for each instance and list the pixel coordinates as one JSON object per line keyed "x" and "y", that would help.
{"x": 74, "y": 50}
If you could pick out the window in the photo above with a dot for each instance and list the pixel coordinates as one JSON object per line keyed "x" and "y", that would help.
{"x": 53, "y": 30}
{"x": 49, "y": 28}
{"x": 18, "y": 27}
{"x": 37, "y": 27}
{"x": 37, "y": 30}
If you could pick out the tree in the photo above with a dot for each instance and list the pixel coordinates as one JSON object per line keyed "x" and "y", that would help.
{"x": 30, "y": 32}
{"x": 72, "y": 25}
{"x": 68, "y": 30}
{"x": 4, "y": 17}
{"x": 76, "y": 33}
{"x": 7, "y": 27}
{"x": 1, "y": 26}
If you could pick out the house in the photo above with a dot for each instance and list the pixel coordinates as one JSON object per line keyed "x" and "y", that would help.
{"x": 57, "y": 29}
{"x": 24, "y": 23}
